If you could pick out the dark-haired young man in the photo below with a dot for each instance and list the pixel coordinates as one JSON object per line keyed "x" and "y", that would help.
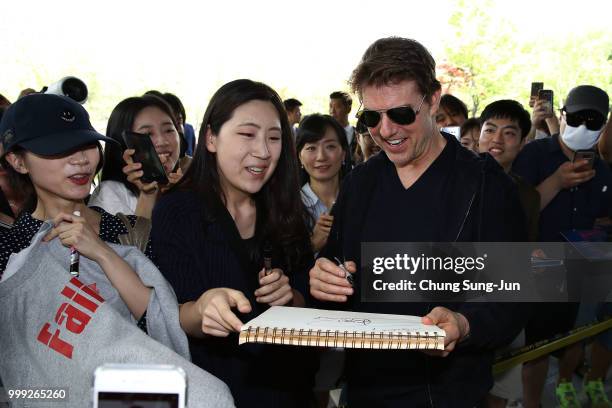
{"x": 292, "y": 106}
{"x": 422, "y": 187}
{"x": 340, "y": 105}
{"x": 505, "y": 125}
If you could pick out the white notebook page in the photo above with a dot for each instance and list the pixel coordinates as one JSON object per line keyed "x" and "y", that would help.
{"x": 297, "y": 318}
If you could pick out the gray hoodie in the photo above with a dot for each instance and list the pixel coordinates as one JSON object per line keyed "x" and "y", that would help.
{"x": 57, "y": 329}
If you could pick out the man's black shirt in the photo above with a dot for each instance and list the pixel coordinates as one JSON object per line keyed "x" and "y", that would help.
{"x": 414, "y": 214}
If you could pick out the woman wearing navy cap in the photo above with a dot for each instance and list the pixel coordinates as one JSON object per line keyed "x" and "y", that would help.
{"x": 58, "y": 155}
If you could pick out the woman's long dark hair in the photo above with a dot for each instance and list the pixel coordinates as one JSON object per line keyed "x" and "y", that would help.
{"x": 312, "y": 129}
{"x": 122, "y": 118}
{"x": 280, "y": 212}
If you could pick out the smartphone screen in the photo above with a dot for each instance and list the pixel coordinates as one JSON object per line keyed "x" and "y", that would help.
{"x": 453, "y": 130}
{"x": 139, "y": 386}
{"x": 140, "y": 400}
{"x": 536, "y": 87}
{"x": 152, "y": 168}
{"x": 547, "y": 95}
{"x": 585, "y": 155}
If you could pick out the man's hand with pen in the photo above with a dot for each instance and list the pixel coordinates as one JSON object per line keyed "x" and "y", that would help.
{"x": 331, "y": 282}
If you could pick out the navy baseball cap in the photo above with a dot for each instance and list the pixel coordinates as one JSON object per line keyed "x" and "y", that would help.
{"x": 47, "y": 125}
{"x": 587, "y": 97}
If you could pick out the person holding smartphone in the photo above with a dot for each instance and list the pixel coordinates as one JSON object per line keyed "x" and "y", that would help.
{"x": 62, "y": 317}
{"x": 122, "y": 189}
{"x": 240, "y": 196}
{"x": 575, "y": 189}
{"x": 544, "y": 122}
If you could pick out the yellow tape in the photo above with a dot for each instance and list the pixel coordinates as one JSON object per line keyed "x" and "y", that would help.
{"x": 545, "y": 347}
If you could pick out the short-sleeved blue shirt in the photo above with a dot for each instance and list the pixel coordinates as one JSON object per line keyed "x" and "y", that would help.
{"x": 574, "y": 208}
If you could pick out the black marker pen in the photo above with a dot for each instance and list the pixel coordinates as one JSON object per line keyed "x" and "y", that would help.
{"x": 348, "y": 275}
{"x": 267, "y": 256}
{"x": 74, "y": 256}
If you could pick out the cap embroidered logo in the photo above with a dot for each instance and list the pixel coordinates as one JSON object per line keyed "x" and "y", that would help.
{"x": 7, "y": 137}
{"x": 68, "y": 116}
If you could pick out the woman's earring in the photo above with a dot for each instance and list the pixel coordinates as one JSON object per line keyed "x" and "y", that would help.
{"x": 302, "y": 165}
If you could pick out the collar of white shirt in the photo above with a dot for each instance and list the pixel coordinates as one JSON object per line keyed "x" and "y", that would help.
{"x": 350, "y": 132}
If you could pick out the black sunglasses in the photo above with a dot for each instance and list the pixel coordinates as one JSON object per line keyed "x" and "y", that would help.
{"x": 402, "y": 115}
{"x": 593, "y": 120}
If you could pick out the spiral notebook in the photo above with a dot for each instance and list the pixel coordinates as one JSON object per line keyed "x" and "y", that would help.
{"x": 330, "y": 328}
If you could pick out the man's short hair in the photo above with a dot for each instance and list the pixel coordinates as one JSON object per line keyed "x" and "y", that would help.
{"x": 392, "y": 60}
{"x": 453, "y": 105}
{"x": 291, "y": 104}
{"x": 345, "y": 97}
{"x": 508, "y": 109}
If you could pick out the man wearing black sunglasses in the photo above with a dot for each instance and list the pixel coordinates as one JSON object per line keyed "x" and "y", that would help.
{"x": 422, "y": 187}
{"x": 555, "y": 165}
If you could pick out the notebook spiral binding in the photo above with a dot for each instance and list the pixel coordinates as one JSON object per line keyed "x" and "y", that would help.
{"x": 336, "y": 338}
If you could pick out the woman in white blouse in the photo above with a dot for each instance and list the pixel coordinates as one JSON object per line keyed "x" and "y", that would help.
{"x": 321, "y": 146}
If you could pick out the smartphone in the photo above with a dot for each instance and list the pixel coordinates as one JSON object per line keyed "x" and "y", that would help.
{"x": 588, "y": 155}
{"x": 547, "y": 95}
{"x": 536, "y": 87}
{"x": 152, "y": 168}
{"x": 139, "y": 385}
{"x": 453, "y": 130}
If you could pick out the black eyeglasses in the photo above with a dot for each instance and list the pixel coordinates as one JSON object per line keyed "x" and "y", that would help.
{"x": 593, "y": 120}
{"x": 402, "y": 115}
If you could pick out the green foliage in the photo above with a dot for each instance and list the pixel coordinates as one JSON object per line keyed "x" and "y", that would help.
{"x": 498, "y": 63}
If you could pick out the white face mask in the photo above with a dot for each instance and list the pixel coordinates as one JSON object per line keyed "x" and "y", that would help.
{"x": 580, "y": 138}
